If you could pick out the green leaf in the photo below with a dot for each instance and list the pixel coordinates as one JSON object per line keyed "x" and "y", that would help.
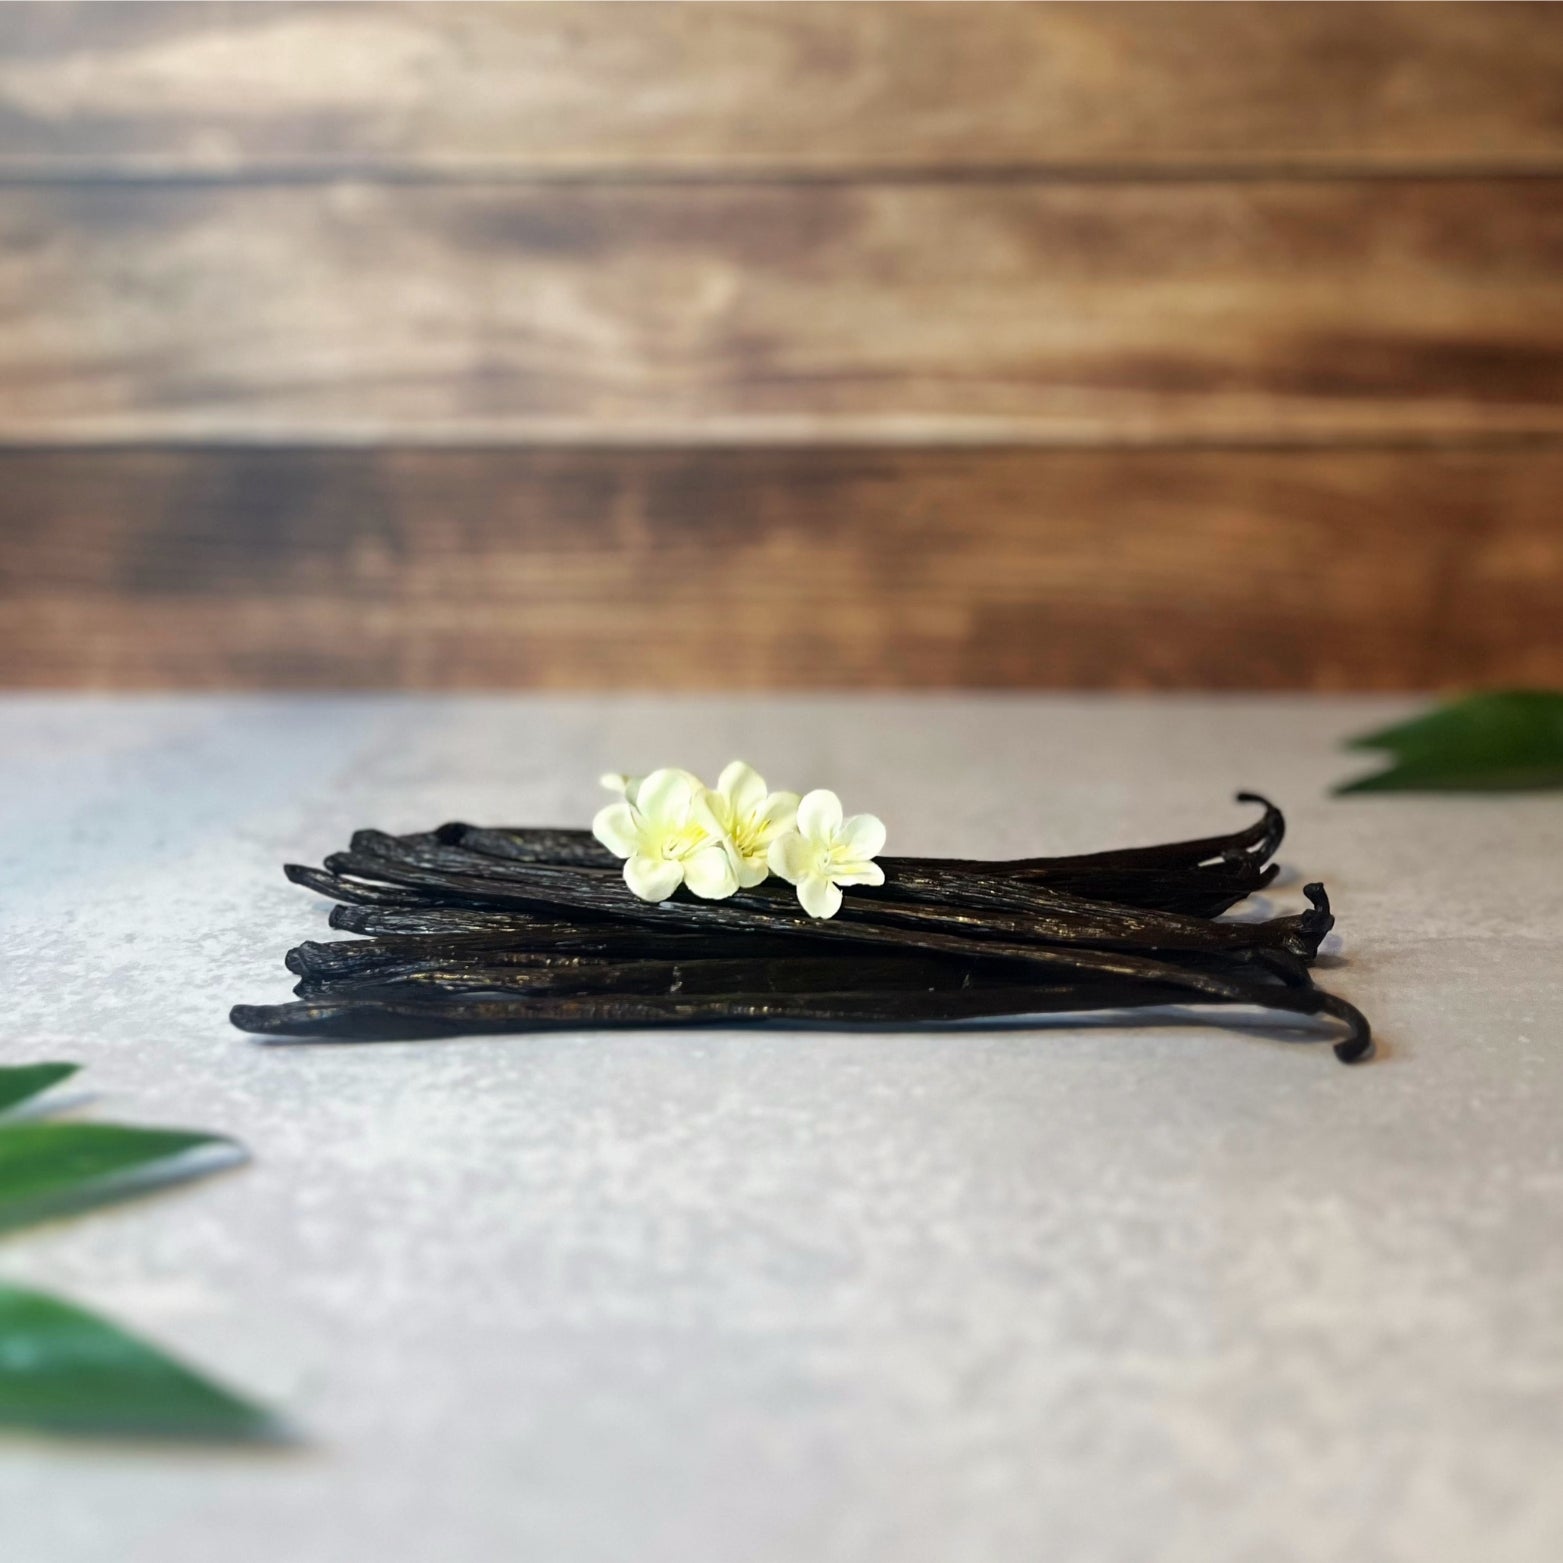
{"x": 66, "y": 1371}
{"x": 1508, "y": 740}
{"x": 22, "y": 1081}
{"x": 63, "y": 1370}
{"x": 49, "y": 1169}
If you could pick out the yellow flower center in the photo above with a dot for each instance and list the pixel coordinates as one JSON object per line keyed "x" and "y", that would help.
{"x": 747, "y": 835}
{"x": 679, "y": 841}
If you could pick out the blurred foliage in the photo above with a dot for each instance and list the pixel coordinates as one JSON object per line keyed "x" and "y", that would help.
{"x": 1509, "y": 740}
{"x": 62, "y": 1369}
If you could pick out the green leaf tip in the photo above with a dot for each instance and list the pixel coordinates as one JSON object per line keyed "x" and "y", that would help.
{"x": 1506, "y": 740}
{"x": 68, "y": 1372}
{"x": 21, "y": 1082}
{"x": 52, "y": 1169}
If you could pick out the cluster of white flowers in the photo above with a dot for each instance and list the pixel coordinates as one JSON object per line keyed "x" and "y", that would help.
{"x": 671, "y": 830}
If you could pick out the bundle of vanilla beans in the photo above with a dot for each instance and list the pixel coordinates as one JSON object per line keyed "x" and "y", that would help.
{"x": 486, "y": 930}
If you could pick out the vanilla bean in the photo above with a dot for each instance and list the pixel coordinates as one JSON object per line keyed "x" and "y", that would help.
{"x": 379, "y": 1021}
{"x": 1211, "y": 870}
{"x": 579, "y": 847}
{"x": 532, "y": 943}
{"x": 1087, "y": 962}
{"x": 459, "y": 970}
{"x": 586, "y": 949}
{"x": 1053, "y": 918}
{"x": 931, "y": 881}
{"x": 595, "y": 974}
{"x": 489, "y": 930}
{"x": 599, "y": 893}
{"x": 1258, "y": 840}
{"x": 1057, "y": 913}
{"x": 358, "y": 892}
{"x": 544, "y": 844}
{"x": 376, "y": 1021}
{"x": 440, "y": 921}
{"x": 520, "y": 928}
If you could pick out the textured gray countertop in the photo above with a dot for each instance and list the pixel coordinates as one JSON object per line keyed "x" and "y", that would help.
{"x": 1179, "y": 1293}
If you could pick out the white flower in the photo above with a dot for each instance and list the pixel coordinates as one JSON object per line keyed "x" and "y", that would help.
{"x": 668, "y": 835}
{"x": 752, "y": 817}
{"x": 628, "y": 786}
{"x": 825, "y": 852}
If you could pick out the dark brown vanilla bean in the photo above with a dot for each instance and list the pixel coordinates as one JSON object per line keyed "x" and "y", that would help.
{"x": 538, "y": 941}
{"x": 520, "y": 929}
{"x": 462, "y": 876}
{"x": 473, "y": 956}
{"x": 356, "y": 891}
{"x": 1087, "y": 963}
{"x": 368, "y": 957}
{"x": 600, "y": 892}
{"x": 928, "y": 880}
{"x": 597, "y": 974}
{"x": 361, "y": 1021}
{"x": 434, "y": 922}
{"x": 374, "y": 1021}
{"x": 1205, "y": 890}
{"x": 393, "y": 926}
{"x": 560, "y": 847}
{"x": 1059, "y": 914}
{"x": 1223, "y": 863}
{"x": 527, "y": 949}
{"x": 475, "y": 929}
{"x": 488, "y": 972}
{"x": 1258, "y": 840}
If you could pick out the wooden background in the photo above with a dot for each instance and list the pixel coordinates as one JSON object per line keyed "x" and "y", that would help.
{"x": 765, "y": 345}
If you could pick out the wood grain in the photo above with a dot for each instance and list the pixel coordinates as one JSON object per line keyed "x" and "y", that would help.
{"x": 816, "y": 345}
{"x": 1293, "y": 311}
{"x": 665, "y": 569}
{"x": 586, "y": 90}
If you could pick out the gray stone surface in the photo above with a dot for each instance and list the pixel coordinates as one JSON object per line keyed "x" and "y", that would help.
{"x": 1090, "y": 1293}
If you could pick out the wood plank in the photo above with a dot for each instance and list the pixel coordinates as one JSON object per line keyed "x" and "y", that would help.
{"x": 1128, "y": 313}
{"x": 667, "y": 569}
{"x": 583, "y": 90}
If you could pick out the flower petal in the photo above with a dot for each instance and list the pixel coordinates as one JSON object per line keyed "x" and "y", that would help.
{"x": 665, "y": 795}
{"x": 615, "y": 826}
{"x": 818, "y": 897}
{"x": 857, "y": 874}
{"x": 743, "y": 787}
{"x": 653, "y": 878}
{"x": 705, "y": 810}
{"x": 615, "y": 781}
{"x": 752, "y": 871}
{"x": 791, "y": 857}
{"x": 709, "y": 873}
{"x": 780, "y": 813}
{"x": 862, "y": 836}
{"x": 819, "y": 814}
